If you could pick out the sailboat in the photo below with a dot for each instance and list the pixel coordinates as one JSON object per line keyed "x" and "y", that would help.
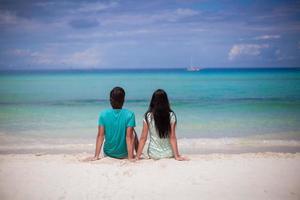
{"x": 193, "y": 68}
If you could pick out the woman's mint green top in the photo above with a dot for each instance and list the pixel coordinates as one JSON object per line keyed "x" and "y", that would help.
{"x": 159, "y": 147}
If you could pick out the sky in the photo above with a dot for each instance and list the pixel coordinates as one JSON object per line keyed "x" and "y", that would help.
{"x": 65, "y": 34}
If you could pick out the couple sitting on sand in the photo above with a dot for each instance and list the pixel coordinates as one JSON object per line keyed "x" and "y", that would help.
{"x": 116, "y": 127}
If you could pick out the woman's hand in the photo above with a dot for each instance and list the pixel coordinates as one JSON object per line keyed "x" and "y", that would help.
{"x": 138, "y": 158}
{"x": 181, "y": 158}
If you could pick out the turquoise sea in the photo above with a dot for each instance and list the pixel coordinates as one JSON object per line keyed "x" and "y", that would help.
{"x": 59, "y": 106}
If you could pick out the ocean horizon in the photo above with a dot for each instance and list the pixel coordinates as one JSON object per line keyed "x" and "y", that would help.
{"x": 158, "y": 69}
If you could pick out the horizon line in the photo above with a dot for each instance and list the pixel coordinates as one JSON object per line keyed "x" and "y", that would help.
{"x": 137, "y": 69}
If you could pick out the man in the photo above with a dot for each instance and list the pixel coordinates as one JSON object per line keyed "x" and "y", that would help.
{"x": 116, "y": 126}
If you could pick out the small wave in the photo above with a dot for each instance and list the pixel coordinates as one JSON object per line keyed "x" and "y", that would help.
{"x": 146, "y": 101}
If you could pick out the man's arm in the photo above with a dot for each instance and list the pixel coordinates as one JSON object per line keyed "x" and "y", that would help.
{"x": 99, "y": 142}
{"x": 129, "y": 142}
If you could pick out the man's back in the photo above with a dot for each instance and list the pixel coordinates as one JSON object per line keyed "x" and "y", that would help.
{"x": 115, "y": 123}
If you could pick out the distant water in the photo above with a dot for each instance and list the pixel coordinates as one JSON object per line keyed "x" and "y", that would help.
{"x": 211, "y": 103}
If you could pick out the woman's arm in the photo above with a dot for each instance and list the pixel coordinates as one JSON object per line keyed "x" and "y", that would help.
{"x": 143, "y": 140}
{"x": 173, "y": 141}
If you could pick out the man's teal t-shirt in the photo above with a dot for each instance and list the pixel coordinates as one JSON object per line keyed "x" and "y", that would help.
{"x": 115, "y": 123}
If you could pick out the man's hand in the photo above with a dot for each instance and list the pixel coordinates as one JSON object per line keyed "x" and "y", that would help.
{"x": 89, "y": 159}
{"x": 131, "y": 159}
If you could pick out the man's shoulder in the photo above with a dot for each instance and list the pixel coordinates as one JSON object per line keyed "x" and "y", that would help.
{"x": 109, "y": 111}
{"x": 105, "y": 112}
{"x": 128, "y": 112}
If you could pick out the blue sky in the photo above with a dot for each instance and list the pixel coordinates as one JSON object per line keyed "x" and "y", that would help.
{"x": 64, "y": 34}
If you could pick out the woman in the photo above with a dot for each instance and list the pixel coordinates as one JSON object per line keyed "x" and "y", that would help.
{"x": 160, "y": 122}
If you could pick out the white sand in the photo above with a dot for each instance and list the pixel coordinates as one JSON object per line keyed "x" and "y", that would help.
{"x": 215, "y": 176}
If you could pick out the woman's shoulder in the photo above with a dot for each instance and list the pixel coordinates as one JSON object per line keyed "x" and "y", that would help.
{"x": 148, "y": 116}
{"x": 172, "y": 114}
{"x": 173, "y": 118}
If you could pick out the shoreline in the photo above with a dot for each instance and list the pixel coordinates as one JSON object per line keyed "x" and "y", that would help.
{"x": 72, "y": 151}
{"x": 27, "y": 145}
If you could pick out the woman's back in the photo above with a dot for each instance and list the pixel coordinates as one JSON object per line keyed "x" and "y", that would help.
{"x": 159, "y": 147}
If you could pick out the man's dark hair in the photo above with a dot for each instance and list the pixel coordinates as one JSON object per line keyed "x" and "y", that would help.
{"x": 117, "y": 96}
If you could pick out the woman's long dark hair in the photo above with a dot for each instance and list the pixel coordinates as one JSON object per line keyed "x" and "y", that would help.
{"x": 160, "y": 109}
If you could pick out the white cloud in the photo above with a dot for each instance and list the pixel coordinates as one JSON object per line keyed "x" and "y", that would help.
{"x": 7, "y": 17}
{"x": 45, "y": 4}
{"x": 34, "y": 57}
{"x": 141, "y": 19}
{"x": 173, "y": 16}
{"x": 133, "y": 33}
{"x": 186, "y": 12}
{"x": 282, "y": 56}
{"x": 75, "y": 7}
{"x": 238, "y": 50}
{"x": 20, "y": 52}
{"x": 86, "y": 58}
{"x": 10, "y": 20}
{"x": 96, "y": 6}
{"x": 112, "y": 34}
{"x": 91, "y": 57}
{"x": 267, "y": 37}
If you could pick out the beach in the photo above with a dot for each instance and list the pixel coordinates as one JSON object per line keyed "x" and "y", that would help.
{"x": 240, "y": 128}
{"x": 217, "y": 82}
{"x": 206, "y": 176}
